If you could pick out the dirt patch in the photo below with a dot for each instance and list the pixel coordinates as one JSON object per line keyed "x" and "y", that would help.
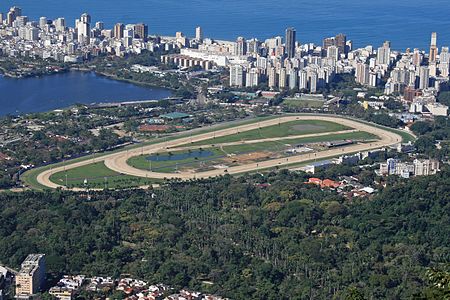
{"x": 307, "y": 127}
{"x": 243, "y": 158}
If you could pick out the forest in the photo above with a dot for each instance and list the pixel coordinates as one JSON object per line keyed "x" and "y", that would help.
{"x": 251, "y": 237}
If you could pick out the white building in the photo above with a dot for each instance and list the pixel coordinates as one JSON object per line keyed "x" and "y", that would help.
{"x": 252, "y": 78}
{"x": 237, "y": 76}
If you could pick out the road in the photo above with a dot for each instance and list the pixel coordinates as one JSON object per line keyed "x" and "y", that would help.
{"x": 118, "y": 161}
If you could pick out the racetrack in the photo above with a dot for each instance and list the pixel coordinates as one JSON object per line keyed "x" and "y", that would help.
{"x": 118, "y": 161}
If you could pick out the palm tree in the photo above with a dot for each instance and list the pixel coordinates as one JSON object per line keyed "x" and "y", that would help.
{"x": 354, "y": 294}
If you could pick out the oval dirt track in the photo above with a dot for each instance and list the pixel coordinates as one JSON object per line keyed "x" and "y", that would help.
{"x": 118, "y": 161}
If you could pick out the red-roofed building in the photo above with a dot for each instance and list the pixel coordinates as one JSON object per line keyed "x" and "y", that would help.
{"x": 324, "y": 183}
{"x": 317, "y": 181}
{"x": 330, "y": 183}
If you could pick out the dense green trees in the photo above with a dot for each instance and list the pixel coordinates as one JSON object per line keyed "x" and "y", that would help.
{"x": 282, "y": 240}
{"x": 430, "y": 134}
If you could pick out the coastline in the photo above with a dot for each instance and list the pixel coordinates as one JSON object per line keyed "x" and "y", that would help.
{"x": 10, "y": 75}
{"x": 138, "y": 83}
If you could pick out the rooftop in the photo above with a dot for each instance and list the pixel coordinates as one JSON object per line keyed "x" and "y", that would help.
{"x": 175, "y": 115}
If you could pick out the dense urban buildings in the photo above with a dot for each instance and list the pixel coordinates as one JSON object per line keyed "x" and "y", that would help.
{"x": 278, "y": 63}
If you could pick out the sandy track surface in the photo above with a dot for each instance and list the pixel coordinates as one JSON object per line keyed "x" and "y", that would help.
{"x": 118, "y": 161}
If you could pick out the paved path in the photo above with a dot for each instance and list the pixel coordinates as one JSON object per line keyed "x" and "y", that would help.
{"x": 118, "y": 161}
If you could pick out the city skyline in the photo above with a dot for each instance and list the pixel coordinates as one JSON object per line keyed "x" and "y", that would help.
{"x": 379, "y": 29}
{"x": 198, "y": 30}
{"x": 278, "y": 63}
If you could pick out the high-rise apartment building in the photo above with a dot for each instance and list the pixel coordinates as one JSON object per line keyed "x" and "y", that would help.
{"x": 362, "y": 73}
{"x": 141, "y": 31}
{"x": 303, "y": 80}
{"x": 282, "y": 79}
{"x": 42, "y": 22}
{"x": 84, "y": 28}
{"x": 272, "y": 74}
{"x": 252, "y": 78}
{"x": 31, "y": 278}
{"x": 328, "y": 42}
{"x": 32, "y": 33}
{"x": 118, "y": 31}
{"x": 290, "y": 42}
{"x": 293, "y": 79}
{"x": 99, "y": 25}
{"x": 199, "y": 34}
{"x": 312, "y": 82}
{"x": 339, "y": 41}
{"x": 333, "y": 53}
{"x": 10, "y": 18}
{"x": 424, "y": 77}
{"x": 384, "y": 54}
{"x": 444, "y": 57}
{"x": 86, "y": 18}
{"x": 12, "y": 14}
{"x": 240, "y": 46}
{"x": 444, "y": 62}
{"x": 417, "y": 57}
{"x": 433, "y": 48}
{"x": 237, "y": 76}
{"x": 60, "y": 24}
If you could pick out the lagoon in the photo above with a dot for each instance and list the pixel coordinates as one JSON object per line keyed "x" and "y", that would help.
{"x": 40, "y": 94}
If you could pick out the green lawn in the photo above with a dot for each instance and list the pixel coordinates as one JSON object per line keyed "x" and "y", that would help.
{"x": 282, "y": 144}
{"x": 298, "y": 127}
{"x": 296, "y": 103}
{"x": 141, "y": 162}
{"x": 98, "y": 176}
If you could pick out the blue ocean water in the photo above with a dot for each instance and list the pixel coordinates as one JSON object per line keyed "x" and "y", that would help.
{"x": 406, "y": 23}
{"x": 40, "y": 94}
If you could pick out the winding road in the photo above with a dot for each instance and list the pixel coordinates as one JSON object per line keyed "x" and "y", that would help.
{"x": 118, "y": 161}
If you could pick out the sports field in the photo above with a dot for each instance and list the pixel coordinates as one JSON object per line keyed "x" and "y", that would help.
{"x": 297, "y": 103}
{"x": 234, "y": 148}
